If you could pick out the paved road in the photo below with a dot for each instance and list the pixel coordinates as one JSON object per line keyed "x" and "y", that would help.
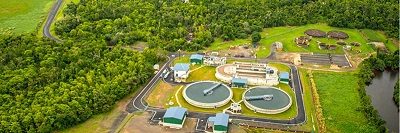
{"x": 50, "y": 19}
{"x": 138, "y": 103}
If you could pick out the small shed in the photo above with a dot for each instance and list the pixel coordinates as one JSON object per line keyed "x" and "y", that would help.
{"x": 196, "y": 59}
{"x": 239, "y": 82}
{"x": 181, "y": 72}
{"x": 174, "y": 117}
{"x": 284, "y": 77}
{"x": 219, "y": 123}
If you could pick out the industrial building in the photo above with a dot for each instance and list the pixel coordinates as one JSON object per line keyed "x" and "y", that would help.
{"x": 174, "y": 117}
{"x": 238, "y": 82}
{"x": 219, "y": 123}
{"x": 254, "y": 73}
{"x": 181, "y": 72}
{"x": 284, "y": 77}
{"x": 196, "y": 59}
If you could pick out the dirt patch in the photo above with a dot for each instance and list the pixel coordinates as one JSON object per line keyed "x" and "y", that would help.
{"x": 236, "y": 129}
{"x": 244, "y": 51}
{"x": 160, "y": 95}
{"x": 288, "y": 57}
{"x": 140, "y": 124}
{"x": 315, "y": 33}
{"x": 138, "y": 46}
{"x": 337, "y": 35}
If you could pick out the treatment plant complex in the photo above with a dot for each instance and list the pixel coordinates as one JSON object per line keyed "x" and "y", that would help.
{"x": 230, "y": 90}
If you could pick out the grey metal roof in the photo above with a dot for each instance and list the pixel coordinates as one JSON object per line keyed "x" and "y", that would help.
{"x": 284, "y": 75}
{"x": 181, "y": 67}
{"x": 220, "y": 119}
{"x": 196, "y": 56}
{"x": 175, "y": 112}
{"x": 239, "y": 80}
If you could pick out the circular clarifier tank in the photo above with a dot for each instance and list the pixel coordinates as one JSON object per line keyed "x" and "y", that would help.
{"x": 268, "y": 100}
{"x": 207, "y": 94}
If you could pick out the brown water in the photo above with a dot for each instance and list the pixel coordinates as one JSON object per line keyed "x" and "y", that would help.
{"x": 381, "y": 94}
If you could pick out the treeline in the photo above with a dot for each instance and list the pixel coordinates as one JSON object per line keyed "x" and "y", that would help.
{"x": 396, "y": 94}
{"x": 365, "y": 76}
{"x": 45, "y": 86}
{"x": 169, "y": 24}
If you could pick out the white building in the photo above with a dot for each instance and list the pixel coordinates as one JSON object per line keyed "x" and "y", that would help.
{"x": 181, "y": 72}
{"x": 254, "y": 73}
{"x": 214, "y": 60}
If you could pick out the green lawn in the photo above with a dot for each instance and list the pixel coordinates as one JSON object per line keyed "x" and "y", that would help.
{"x": 182, "y": 59}
{"x": 281, "y": 67}
{"x": 311, "y": 123}
{"x": 23, "y": 15}
{"x": 376, "y": 36}
{"x": 339, "y": 99}
{"x": 373, "y": 36}
{"x": 201, "y": 74}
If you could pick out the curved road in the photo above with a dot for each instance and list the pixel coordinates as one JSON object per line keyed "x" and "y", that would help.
{"x": 50, "y": 19}
{"x": 138, "y": 101}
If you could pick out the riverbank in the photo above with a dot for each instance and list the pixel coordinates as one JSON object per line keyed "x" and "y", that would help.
{"x": 381, "y": 91}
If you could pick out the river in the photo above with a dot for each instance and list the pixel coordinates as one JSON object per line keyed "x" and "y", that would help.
{"x": 381, "y": 93}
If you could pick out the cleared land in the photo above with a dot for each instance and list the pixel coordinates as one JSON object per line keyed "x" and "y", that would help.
{"x": 287, "y": 34}
{"x": 339, "y": 99}
{"x": 159, "y": 97}
{"x": 23, "y": 15}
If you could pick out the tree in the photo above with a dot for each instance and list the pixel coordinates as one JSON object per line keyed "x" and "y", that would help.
{"x": 255, "y": 38}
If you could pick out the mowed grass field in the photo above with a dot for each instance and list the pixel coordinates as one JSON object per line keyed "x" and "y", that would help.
{"x": 339, "y": 99}
{"x": 23, "y": 15}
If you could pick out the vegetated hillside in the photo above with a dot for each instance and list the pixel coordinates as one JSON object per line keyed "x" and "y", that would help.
{"x": 167, "y": 24}
{"x": 46, "y": 86}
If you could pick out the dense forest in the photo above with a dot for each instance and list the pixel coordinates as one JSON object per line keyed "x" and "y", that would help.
{"x": 167, "y": 24}
{"x": 46, "y": 85}
{"x": 380, "y": 62}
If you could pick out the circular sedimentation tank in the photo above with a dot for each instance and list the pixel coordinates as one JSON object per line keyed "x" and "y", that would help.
{"x": 207, "y": 94}
{"x": 268, "y": 100}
